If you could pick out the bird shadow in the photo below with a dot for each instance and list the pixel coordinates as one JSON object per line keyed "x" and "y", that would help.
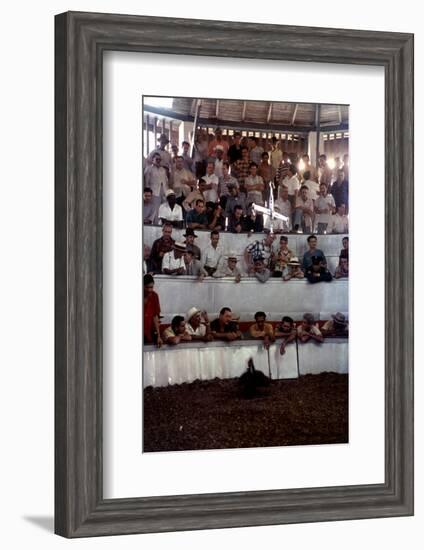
{"x": 44, "y": 522}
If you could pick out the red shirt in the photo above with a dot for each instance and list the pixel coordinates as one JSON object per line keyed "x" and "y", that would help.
{"x": 151, "y": 309}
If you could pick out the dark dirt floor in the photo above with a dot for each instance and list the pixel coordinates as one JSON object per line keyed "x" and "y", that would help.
{"x": 310, "y": 410}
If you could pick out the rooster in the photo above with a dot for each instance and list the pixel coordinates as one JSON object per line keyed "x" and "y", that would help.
{"x": 251, "y": 380}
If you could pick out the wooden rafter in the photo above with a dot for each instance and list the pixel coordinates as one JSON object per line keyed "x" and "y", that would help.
{"x": 294, "y": 114}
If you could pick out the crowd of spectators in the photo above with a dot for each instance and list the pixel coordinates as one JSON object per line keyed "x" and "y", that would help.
{"x": 216, "y": 186}
{"x": 196, "y": 326}
{"x": 269, "y": 257}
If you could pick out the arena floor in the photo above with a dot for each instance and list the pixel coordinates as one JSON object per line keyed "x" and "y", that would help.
{"x": 310, "y": 410}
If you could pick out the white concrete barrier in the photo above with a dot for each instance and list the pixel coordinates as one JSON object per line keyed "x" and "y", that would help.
{"x": 331, "y": 356}
{"x": 196, "y": 361}
{"x": 275, "y": 297}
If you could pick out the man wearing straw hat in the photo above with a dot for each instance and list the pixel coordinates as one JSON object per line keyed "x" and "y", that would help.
{"x": 293, "y": 270}
{"x": 338, "y": 326}
{"x": 173, "y": 262}
{"x": 197, "y": 325}
{"x": 229, "y": 269}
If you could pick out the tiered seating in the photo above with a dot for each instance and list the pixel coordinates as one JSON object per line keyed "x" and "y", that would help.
{"x": 330, "y": 244}
{"x": 193, "y": 361}
{"x": 196, "y": 360}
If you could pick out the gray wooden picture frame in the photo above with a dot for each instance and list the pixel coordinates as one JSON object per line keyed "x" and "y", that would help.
{"x": 80, "y": 40}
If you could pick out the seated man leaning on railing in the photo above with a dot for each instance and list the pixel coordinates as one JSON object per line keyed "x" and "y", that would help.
{"x": 177, "y": 332}
{"x": 262, "y": 330}
{"x": 225, "y": 328}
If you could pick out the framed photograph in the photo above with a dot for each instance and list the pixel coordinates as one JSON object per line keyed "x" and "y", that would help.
{"x": 208, "y": 174}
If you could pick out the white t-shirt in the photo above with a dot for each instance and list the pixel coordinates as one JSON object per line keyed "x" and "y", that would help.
{"x": 321, "y": 203}
{"x": 338, "y": 224}
{"x": 171, "y": 263}
{"x": 174, "y": 215}
{"x": 200, "y": 331}
{"x": 292, "y": 184}
{"x": 313, "y": 187}
{"x": 211, "y": 194}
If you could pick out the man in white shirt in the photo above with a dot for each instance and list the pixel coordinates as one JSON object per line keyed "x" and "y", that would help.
{"x": 339, "y": 222}
{"x": 324, "y": 208}
{"x": 292, "y": 183}
{"x": 229, "y": 269}
{"x": 173, "y": 262}
{"x": 156, "y": 179}
{"x": 219, "y": 161}
{"x": 212, "y": 181}
{"x": 312, "y": 185}
{"x": 170, "y": 211}
{"x": 304, "y": 211}
{"x": 212, "y": 255}
{"x": 182, "y": 180}
{"x": 284, "y": 205}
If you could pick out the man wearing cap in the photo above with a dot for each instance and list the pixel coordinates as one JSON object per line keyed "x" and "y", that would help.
{"x": 308, "y": 330}
{"x": 197, "y": 218}
{"x": 193, "y": 267}
{"x": 170, "y": 211}
{"x": 164, "y": 155}
{"x": 198, "y": 325}
{"x": 218, "y": 141}
{"x": 224, "y": 328}
{"x": 213, "y": 254}
{"x": 173, "y": 262}
{"x": 228, "y": 269}
{"x": 160, "y": 247}
{"x": 155, "y": 178}
{"x": 190, "y": 235}
{"x": 338, "y": 326}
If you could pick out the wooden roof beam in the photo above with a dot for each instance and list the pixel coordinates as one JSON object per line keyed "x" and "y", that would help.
{"x": 294, "y": 114}
{"x": 268, "y": 118}
{"x": 243, "y": 115}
